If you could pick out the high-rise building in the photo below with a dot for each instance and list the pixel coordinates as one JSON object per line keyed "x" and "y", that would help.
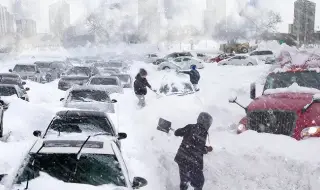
{"x": 215, "y": 12}
{"x": 59, "y": 17}
{"x": 26, "y": 27}
{"x": 304, "y": 20}
{"x": 149, "y": 18}
{"x": 7, "y": 22}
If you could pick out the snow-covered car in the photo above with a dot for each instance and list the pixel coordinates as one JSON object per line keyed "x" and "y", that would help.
{"x": 126, "y": 80}
{"x": 27, "y": 72}
{"x": 14, "y": 82}
{"x": 81, "y": 71}
{"x": 67, "y": 82}
{"x": 90, "y": 98}
{"x": 220, "y": 57}
{"x": 111, "y": 83}
{"x": 11, "y": 75}
{"x": 271, "y": 60}
{"x": 73, "y": 60}
{"x": 118, "y": 65}
{"x": 239, "y": 60}
{"x": 11, "y": 89}
{"x": 71, "y": 123}
{"x": 104, "y": 68}
{"x": 181, "y": 63}
{"x": 176, "y": 88}
{"x": 172, "y": 56}
{"x": 52, "y": 70}
{"x": 74, "y": 163}
{"x": 262, "y": 55}
{"x": 150, "y": 58}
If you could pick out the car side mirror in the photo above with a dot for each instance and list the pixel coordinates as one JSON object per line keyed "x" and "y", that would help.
{"x": 122, "y": 136}
{"x": 23, "y": 83}
{"x": 253, "y": 90}
{"x": 37, "y": 133}
{"x": 27, "y": 89}
{"x": 139, "y": 182}
{"x": 10, "y": 70}
{"x": 114, "y": 101}
{"x": 61, "y": 99}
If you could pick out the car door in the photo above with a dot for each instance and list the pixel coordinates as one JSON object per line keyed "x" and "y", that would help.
{"x": 235, "y": 60}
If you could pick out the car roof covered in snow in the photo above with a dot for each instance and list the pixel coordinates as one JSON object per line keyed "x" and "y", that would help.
{"x": 9, "y": 74}
{"x": 81, "y": 113}
{"x": 9, "y": 85}
{"x": 103, "y": 77}
{"x": 25, "y": 64}
{"x": 88, "y": 87}
{"x": 67, "y": 145}
{"x": 74, "y": 77}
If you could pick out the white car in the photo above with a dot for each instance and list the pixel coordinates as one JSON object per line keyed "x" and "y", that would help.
{"x": 73, "y": 163}
{"x": 239, "y": 60}
{"x": 181, "y": 63}
{"x": 90, "y": 98}
{"x": 27, "y": 71}
{"x": 262, "y": 55}
{"x": 111, "y": 83}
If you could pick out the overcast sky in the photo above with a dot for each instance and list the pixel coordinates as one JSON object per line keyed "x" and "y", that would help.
{"x": 79, "y": 7}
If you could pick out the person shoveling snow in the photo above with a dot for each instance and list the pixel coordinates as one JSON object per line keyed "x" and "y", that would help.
{"x": 190, "y": 154}
{"x": 140, "y": 87}
{"x": 194, "y": 76}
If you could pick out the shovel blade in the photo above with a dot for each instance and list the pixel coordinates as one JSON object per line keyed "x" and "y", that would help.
{"x": 164, "y": 125}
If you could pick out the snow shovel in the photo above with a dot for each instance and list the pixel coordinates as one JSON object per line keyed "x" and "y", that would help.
{"x": 164, "y": 125}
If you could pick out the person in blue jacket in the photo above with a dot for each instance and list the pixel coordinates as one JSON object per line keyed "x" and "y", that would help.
{"x": 194, "y": 76}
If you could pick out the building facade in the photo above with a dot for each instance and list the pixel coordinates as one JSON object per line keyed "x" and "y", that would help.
{"x": 215, "y": 11}
{"x": 7, "y": 21}
{"x": 59, "y": 17}
{"x": 304, "y": 20}
{"x": 26, "y": 27}
{"x": 290, "y": 28}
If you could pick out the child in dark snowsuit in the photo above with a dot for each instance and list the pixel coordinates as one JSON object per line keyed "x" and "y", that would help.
{"x": 140, "y": 86}
{"x": 194, "y": 76}
{"x": 190, "y": 154}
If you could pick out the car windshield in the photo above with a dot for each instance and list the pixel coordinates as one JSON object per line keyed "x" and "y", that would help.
{"x": 10, "y": 81}
{"x": 7, "y": 91}
{"x": 104, "y": 81}
{"x": 84, "y": 124}
{"x": 91, "y": 169}
{"x": 79, "y": 71}
{"x": 310, "y": 79}
{"x": 75, "y": 80}
{"x": 9, "y": 76}
{"x": 43, "y": 65}
{"x": 115, "y": 64}
{"x": 24, "y": 68}
{"x": 124, "y": 78}
{"x": 89, "y": 95}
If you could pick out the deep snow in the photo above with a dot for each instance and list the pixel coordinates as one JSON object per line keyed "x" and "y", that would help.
{"x": 246, "y": 161}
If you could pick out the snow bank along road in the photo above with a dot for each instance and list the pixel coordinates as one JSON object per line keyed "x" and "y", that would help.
{"x": 247, "y": 161}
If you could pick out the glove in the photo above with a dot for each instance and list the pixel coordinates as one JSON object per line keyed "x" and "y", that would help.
{"x": 209, "y": 149}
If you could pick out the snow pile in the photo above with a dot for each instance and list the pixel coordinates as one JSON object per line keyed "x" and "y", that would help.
{"x": 275, "y": 47}
{"x": 294, "y": 88}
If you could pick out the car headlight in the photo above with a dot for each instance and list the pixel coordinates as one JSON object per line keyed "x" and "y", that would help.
{"x": 310, "y": 131}
{"x": 241, "y": 127}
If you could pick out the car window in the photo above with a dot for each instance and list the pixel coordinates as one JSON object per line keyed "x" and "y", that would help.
{"x": 79, "y": 81}
{"x": 186, "y": 59}
{"x": 24, "y": 68}
{"x": 267, "y": 53}
{"x": 254, "y": 53}
{"x": 90, "y": 124}
{"x": 104, "y": 81}
{"x": 7, "y": 91}
{"x": 200, "y": 55}
{"x": 178, "y": 60}
{"x": 91, "y": 169}
{"x": 236, "y": 57}
{"x": 89, "y": 96}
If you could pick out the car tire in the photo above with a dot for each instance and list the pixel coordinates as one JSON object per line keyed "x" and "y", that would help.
{"x": 223, "y": 64}
{"x": 166, "y": 68}
{"x": 250, "y": 64}
{"x": 244, "y": 50}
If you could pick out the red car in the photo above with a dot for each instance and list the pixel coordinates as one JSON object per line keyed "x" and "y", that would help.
{"x": 289, "y": 104}
{"x": 220, "y": 58}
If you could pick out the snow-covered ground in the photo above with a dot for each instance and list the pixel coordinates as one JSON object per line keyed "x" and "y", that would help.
{"x": 247, "y": 161}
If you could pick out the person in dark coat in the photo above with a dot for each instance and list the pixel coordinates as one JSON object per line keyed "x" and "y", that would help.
{"x": 190, "y": 154}
{"x": 194, "y": 76}
{"x": 140, "y": 86}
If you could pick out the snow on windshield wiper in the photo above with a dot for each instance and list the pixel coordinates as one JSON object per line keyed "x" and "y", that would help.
{"x": 84, "y": 143}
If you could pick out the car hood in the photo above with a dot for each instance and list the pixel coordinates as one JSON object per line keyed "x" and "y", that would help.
{"x": 110, "y": 88}
{"x": 281, "y": 101}
{"x": 46, "y": 182}
{"x": 96, "y": 106}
